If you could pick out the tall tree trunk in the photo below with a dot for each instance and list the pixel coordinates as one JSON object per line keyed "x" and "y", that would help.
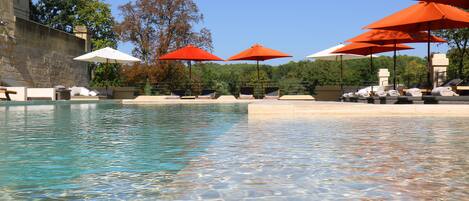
{"x": 461, "y": 60}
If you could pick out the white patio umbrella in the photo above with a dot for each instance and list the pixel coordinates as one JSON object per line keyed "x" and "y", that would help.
{"x": 327, "y": 55}
{"x": 108, "y": 56}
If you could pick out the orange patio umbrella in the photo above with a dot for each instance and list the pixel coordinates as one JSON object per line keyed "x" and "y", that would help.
{"x": 386, "y": 37}
{"x": 424, "y": 16}
{"x": 258, "y": 53}
{"x": 458, "y": 3}
{"x": 370, "y": 49}
{"x": 190, "y": 53}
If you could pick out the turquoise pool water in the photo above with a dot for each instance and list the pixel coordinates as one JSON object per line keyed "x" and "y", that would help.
{"x": 102, "y": 151}
{"x": 218, "y": 152}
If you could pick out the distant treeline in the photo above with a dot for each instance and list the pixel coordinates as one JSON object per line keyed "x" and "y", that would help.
{"x": 292, "y": 77}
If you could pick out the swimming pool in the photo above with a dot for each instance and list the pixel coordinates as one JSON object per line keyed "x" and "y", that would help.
{"x": 75, "y": 151}
{"x": 112, "y": 151}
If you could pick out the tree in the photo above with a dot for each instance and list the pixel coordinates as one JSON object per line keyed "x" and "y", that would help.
{"x": 95, "y": 15}
{"x": 458, "y": 39}
{"x": 156, "y": 26}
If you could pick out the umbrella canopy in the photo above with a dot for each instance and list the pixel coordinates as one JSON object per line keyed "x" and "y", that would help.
{"x": 107, "y": 55}
{"x": 424, "y": 16}
{"x": 457, "y": 3}
{"x": 258, "y": 53}
{"x": 385, "y": 37}
{"x": 369, "y": 48}
{"x": 329, "y": 56}
{"x": 190, "y": 53}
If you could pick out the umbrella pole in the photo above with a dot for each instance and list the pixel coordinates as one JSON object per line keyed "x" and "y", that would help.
{"x": 371, "y": 69}
{"x": 258, "y": 73}
{"x": 259, "y": 77}
{"x": 341, "y": 74}
{"x": 190, "y": 77}
{"x": 190, "y": 70}
{"x": 429, "y": 70}
{"x": 106, "y": 76}
{"x": 394, "y": 72}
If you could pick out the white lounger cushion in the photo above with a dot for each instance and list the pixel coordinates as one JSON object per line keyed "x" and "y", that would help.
{"x": 443, "y": 91}
{"x": 393, "y": 93}
{"x": 414, "y": 92}
{"x": 82, "y": 91}
{"x": 381, "y": 93}
{"x": 365, "y": 93}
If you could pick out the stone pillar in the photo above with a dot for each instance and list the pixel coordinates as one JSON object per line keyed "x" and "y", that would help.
{"x": 439, "y": 67}
{"x": 7, "y": 19}
{"x": 82, "y": 32}
{"x": 383, "y": 76}
{"x": 21, "y": 9}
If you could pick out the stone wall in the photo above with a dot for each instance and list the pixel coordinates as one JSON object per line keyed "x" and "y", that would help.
{"x": 21, "y": 8}
{"x": 38, "y": 56}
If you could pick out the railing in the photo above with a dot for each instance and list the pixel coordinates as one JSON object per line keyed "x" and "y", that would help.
{"x": 226, "y": 88}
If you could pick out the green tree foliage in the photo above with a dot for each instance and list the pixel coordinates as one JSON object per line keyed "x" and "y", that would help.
{"x": 458, "y": 41}
{"x": 95, "y": 15}
{"x": 303, "y": 76}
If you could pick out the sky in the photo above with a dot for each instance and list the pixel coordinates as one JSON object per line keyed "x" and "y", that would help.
{"x": 296, "y": 27}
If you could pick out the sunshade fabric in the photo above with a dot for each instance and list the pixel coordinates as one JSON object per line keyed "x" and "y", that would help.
{"x": 457, "y": 3}
{"x": 190, "y": 53}
{"x": 368, "y": 48}
{"x": 328, "y": 54}
{"x": 383, "y": 37}
{"x": 424, "y": 16}
{"x": 258, "y": 53}
{"x": 107, "y": 55}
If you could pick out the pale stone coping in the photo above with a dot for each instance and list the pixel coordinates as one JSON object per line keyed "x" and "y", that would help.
{"x": 87, "y": 98}
{"x": 305, "y": 108}
{"x": 297, "y": 97}
{"x": 41, "y": 93}
{"x": 163, "y": 100}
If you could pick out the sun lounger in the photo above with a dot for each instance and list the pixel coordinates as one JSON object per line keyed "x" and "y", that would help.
{"x": 446, "y": 99}
{"x": 83, "y": 91}
{"x": 409, "y": 100}
{"x": 246, "y": 93}
{"x": 272, "y": 93}
{"x": 6, "y": 93}
{"x": 384, "y": 100}
{"x": 177, "y": 94}
{"x": 15, "y": 93}
{"x": 414, "y": 92}
{"x": 207, "y": 94}
{"x": 444, "y": 91}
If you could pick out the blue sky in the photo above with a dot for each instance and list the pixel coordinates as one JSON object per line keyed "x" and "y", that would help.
{"x": 296, "y": 27}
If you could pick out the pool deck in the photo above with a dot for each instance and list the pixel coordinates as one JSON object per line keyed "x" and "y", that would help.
{"x": 285, "y": 108}
{"x": 163, "y": 100}
{"x": 305, "y": 108}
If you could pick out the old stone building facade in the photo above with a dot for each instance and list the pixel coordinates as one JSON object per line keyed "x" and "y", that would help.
{"x": 34, "y": 55}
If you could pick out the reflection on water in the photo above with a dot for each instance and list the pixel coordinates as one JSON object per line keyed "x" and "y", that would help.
{"x": 102, "y": 151}
{"x": 113, "y": 152}
{"x": 332, "y": 158}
